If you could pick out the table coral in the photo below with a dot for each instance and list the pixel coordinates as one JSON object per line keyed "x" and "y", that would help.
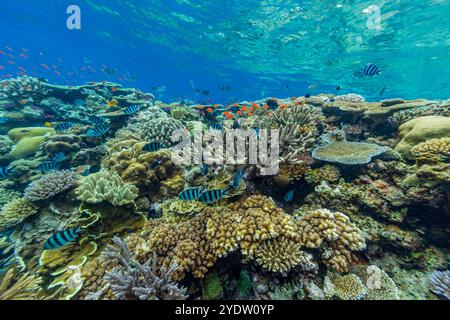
{"x": 50, "y": 185}
{"x": 106, "y": 186}
{"x": 349, "y": 153}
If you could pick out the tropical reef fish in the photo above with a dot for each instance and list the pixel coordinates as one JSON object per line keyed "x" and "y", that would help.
{"x": 288, "y": 197}
{"x": 7, "y": 256}
{"x": 204, "y": 169}
{"x": 211, "y": 196}
{"x": 153, "y": 146}
{"x": 5, "y": 172}
{"x": 190, "y": 194}
{"x": 154, "y": 211}
{"x": 109, "y": 70}
{"x": 98, "y": 131}
{"x": 64, "y": 126}
{"x": 48, "y": 166}
{"x": 237, "y": 178}
{"x": 62, "y": 238}
{"x": 59, "y": 157}
{"x": 370, "y": 70}
{"x": 113, "y": 103}
{"x": 225, "y": 88}
{"x": 131, "y": 109}
{"x": 96, "y": 120}
{"x": 256, "y": 130}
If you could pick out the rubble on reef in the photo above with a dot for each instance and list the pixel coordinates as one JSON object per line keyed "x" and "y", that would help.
{"x": 90, "y": 205}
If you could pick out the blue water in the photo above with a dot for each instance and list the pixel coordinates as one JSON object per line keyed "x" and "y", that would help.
{"x": 258, "y": 48}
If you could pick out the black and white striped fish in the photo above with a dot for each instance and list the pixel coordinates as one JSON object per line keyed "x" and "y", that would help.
{"x": 48, "y": 166}
{"x": 190, "y": 194}
{"x": 62, "y": 238}
{"x": 64, "y": 126}
{"x": 237, "y": 178}
{"x": 370, "y": 70}
{"x": 153, "y": 146}
{"x": 7, "y": 256}
{"x": 109, "y": 70}
{"x": 211, "y": 196}
{"x": 204, "y": 169}
{"x": 97, "y": 121}
{"x": 98, "y": 131}
{"x": 131, "y": 109}
{"x": 5, "y": 172}
{"x": 59, "y": 157}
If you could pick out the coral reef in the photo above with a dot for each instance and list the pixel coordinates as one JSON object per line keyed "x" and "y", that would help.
{"x": 440, "y": 283}
{"x": 349, "y": 153}
{"x": 19, "y": 286}
{"x": 15, "y": 212}
{"x": 50, "y": 185}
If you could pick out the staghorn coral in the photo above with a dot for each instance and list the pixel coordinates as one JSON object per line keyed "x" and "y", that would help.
{"x": 347, "y": 287}
{"x": 106, "y": 186}
{"x": 440, "y": 283}
{"x": 15, "y": 286}
{"x": 349, "y": 153}
{"x": 133, "y": 280}
{"x": 50, "y": 185}
{"x": 15, "y": 212}
{"x": 283, "y": 254}
{"x": 334, "y": 233}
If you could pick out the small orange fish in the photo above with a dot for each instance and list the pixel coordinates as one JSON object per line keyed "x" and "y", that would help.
{"x": 229, "y": 115}
{"x": 265, "y": 107}
{"x": 200, "y": 107}
{"x": 235, "y": 104}
{"x": 239, "y": 112}
{"x": 210, "y": 110}
{"x": 250, "y": 114}
{"x": 254, "y": 104}
{"x": 244, "y": 108}
{"x": 112, "y": 103}
{"x": 114, "y": 89}
{"x": 283, "y": 106}
{"x": 21, "y": 69}
{"x": 295, "y": 103}
{"x": 45, "y": 66}
{"x": 303, "y": 103}
{"x": 23, "y": 55}
{"x": 48, "y": 124}
{"x": 294, "y": 98}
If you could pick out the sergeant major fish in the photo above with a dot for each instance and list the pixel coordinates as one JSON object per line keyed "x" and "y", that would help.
{"x": 62, "y": 238}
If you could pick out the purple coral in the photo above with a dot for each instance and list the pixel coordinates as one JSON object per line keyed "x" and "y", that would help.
{"x": 50, "y": 185}
{"x": 440, "y": 283}
{"x": 133, "y": 280}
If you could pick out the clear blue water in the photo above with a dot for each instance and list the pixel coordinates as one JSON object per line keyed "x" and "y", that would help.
{"x": 258, "y": 48}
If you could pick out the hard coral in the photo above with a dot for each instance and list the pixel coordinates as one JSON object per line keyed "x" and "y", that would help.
{"x": 334, "y": 233}
{"x": 15, "y": 212}
{"x": 50, "y": 185}
{"x": 106, "y": 186}
{"x": 349, "y": 153}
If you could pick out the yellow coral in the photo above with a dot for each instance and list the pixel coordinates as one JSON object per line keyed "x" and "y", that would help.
{"x": 24, "y": 288}
{"x": 335, "y": 233}
{"x": 15, "y": 212}
{"x": 432, "y": 151}
{"x": 279, "y": 255}
{"x": 178, "y": 210}
{"x": 347, "y": 287}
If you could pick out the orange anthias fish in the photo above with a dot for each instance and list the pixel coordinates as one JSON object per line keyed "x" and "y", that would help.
{"x": 295, "y": 103}
{"x": 239, "y": 112}
{"x": 283, "y": 106}
{"x": 265, "y": 107}
{"x": 112, "y": 103}
{"x": 200, "y": 107}
{"x": 244, "y": 108}
{"x": 235, "y": 104}
{"x": 303, "y": 103}
{"x": 113, "y": 89}
{"x": 210, "y": 110}
{"x": 228, "y": 115}
{"x": 294, "y": 98}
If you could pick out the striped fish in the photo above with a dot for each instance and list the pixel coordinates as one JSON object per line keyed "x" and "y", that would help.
{"x": 62, "y": 238}
{"x": 48, "y": 166}
{"x": 370, "y": 70}
{"x": 211, "y": 196}
{"x": 255, "y": 130}
{"x": 7, "y": 256}
{"x": 109, "y": 70}
{"x": 4, "y": 172}
{"x": 98, "y": 131}
{"x": 96, "y": 120}
{"x": 131, "y": 109}
{"x": 237, "y": 178}
{"x": 59, "y": 157}
{"x": 153, "y": 146}
{"x": 288, "y": 197}
{"x": 190, "y": 194}
{"x": 216, "y": 126}
{"x": 64, "y": 126}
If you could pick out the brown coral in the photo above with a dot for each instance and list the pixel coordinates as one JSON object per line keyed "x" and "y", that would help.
{"x": 15, "y": 212}
{"x": 432, "y": 151}
{"x": 334, "y": 233}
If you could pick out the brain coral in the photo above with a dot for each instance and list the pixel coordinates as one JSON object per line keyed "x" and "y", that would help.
{"x": 106, "y": 186}
{"x": 349, "y": 153}
{"x": 334, "y": 233}
{"x": 15, "y": 212}
{"x": 50, "y": 185}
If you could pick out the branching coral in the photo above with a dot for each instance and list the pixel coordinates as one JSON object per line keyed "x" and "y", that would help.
{"x": 50, "y": 185}
{"x": 326, "y": 173}
{"x": 334, "y": 233}
{"x": 348, "y": 287}
{"x": 432, "y": 151}
{"x": 15, "y": 212}
{"x": 106, "y": 186}
{"x": 19, "y": 287}
{"x": 146, "y": 281}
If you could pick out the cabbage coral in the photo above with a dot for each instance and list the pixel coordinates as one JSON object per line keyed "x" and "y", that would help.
{"x": 106, "y": 186}
{"x": 50, "y": 185}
